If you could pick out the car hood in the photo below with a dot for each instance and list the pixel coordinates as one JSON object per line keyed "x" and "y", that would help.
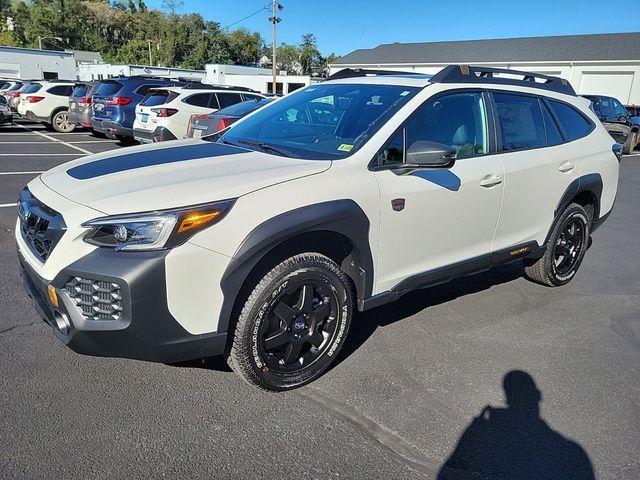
{"x": 172, "y": 174}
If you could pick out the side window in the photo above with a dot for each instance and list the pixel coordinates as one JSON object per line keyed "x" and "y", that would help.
{"x": 554, "y": 137}
{"x": 521, "y": 122}
{"x": 198, "y": 100}
{"x": 573, "y": 123}
{"x": 228, "y": 99}
{"x": 248, "y": 96}
{"x": 458, "y": 120}
{"x": 618, "y": 109}
{"x": 393, "y": 152}
{"x": 606, "y": 107}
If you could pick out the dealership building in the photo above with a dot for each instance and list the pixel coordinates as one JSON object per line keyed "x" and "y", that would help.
{"x": 602, "y": 64}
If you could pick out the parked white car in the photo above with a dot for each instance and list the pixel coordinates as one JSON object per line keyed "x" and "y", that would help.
{"x": 259, "y": 242}
{"x": 165, "y": 112}
{"x": 49, "y": 105}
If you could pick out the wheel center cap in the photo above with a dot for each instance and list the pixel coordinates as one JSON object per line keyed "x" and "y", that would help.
{"x": 298, "y": 325}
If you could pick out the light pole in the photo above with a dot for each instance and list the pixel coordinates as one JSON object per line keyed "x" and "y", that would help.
{"x": 274, "y": 19}
{"x": 150, "y": 62}
{"x": 40, "y": 38}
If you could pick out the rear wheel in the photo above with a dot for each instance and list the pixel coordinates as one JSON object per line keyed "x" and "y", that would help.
{"x": 565, "y": 249}
{"x": 293, "y": 324}
{"x": 60, "y": 122}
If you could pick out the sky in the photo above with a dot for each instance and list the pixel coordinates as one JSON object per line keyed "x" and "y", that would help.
{"x": 341, "y": 26}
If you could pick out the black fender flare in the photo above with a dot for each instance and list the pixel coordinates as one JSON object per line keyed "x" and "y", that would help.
{"x": 592, "y": 183}
{"x": 344, "y": 217}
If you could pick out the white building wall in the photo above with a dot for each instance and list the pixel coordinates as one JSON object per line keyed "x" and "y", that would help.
{"x": 99, "y": 71}
{"x": 256, "y": 78}
{"x": 616, "y": 78}
{"x": 27, "y": 63}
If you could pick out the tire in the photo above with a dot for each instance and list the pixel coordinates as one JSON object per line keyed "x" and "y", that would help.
{"x": 565, "y": 249}
{"x": 293, "y": 324}
{"x": 60, "y": 122}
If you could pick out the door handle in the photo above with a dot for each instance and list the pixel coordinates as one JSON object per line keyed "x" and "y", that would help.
{"x": 566, "y": 167}
{"x": 489, "y": 181}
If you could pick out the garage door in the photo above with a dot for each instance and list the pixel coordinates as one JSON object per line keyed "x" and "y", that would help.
{"x": 616, "y": 85}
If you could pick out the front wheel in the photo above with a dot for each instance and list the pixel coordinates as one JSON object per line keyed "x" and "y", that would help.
{"x": 60, "y": 122}
{"x": 565, "y": 249}
{"x": 293, "y": 324}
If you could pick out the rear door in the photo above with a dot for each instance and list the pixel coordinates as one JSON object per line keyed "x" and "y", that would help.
{"x": 147, "y": 110}
{"x": 539, "y": 161}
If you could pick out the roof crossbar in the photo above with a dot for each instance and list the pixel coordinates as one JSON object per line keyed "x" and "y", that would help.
{"x": 471, "y": 74}
{"x": 362, "y": 72}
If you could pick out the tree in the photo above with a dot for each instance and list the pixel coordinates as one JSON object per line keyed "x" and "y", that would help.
{"x": 310, "y": 57}
{"x": 244, "y": 47}
{"x": 288, "y": 58}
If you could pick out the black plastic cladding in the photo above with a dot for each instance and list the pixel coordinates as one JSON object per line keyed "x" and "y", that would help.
{"x": 344, "y": 217}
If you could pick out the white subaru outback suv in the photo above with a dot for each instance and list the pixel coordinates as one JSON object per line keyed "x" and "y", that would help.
{"x": 165, "y": 112}
{"x": 259, "y": 242}
{"x": 48, "y": 104}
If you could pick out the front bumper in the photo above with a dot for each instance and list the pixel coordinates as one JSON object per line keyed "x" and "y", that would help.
{"x": 110, "y": 128}
{"x": 160, "y": 134}
{"x": 145, "y": 329}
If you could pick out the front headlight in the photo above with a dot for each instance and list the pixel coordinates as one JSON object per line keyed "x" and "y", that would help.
{"x": 154, "y": 230}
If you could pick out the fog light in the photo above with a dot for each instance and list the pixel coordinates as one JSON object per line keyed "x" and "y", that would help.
{"x": 53, "y": 296}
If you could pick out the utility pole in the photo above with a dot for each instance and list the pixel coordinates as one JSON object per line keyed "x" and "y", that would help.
{"x": 150, "y": 63}
{"x": 274, "y": 19}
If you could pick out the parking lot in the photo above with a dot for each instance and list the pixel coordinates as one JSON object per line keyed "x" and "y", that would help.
{"x": 414, "y": 375}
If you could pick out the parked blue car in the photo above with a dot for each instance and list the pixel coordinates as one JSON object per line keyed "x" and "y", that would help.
{"x": 114, "y": 104}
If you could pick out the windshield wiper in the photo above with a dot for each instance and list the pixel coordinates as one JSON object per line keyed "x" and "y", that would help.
{"x": 268, "y": 148}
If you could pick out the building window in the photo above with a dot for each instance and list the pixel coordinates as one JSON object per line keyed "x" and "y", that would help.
{"x": 278, "y": 87}
{"x": 50, "y": 75}
{"x": 292, "y": 87}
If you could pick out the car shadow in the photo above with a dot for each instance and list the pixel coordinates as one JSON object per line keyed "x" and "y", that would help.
{"x": 515, "y": 443}
{"x": 364, "y": 324}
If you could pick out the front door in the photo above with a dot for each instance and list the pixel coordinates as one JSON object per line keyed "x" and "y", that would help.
{"x": 433, "y": 218}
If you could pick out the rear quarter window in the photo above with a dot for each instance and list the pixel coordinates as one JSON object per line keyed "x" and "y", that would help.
{"x": 108, "y": 89}
{"x": 574, "y": 124}
{"x": 80, "y": 91}
{"x": 61, "y": 90}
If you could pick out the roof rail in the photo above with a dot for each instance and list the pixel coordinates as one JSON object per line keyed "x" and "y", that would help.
{"x": 471, "y": 74}
{"x": 209, "y": 86}
{"x": 363, "y": 72}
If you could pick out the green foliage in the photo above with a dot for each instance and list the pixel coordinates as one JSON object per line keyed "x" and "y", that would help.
{"x": 123, "y": 30}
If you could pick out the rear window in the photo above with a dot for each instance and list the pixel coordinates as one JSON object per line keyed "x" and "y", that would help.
{"x": 144, "y": 89}
{"x": 2, "y": 101}
{"x": 159, "y": 97}
{"x": 61, "y": 90}
{"x": 108, "y": 89}
{"x": 227, "y": 99}
{"x": 3, "y": 86}
{"x": 243, "y": 108}
{"x": 17, "y": 86}
{"x": 80, "y": 91}
{"x": 574, "y": 124}
{"x": 32, "y": 88}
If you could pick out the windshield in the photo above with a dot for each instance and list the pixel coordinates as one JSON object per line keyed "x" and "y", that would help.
{"x": 324, "y": 122}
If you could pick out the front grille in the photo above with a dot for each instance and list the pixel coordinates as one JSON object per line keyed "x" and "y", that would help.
{"x": 96, "y": 299}
{"x": 41, "y": 227}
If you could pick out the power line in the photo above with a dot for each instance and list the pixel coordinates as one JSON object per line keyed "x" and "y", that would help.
{"x": 266, "y": 7}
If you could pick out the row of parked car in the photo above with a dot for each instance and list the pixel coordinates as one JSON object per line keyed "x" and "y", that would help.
{"x": 139, "y": 108}
{"x": 148, "y": 109}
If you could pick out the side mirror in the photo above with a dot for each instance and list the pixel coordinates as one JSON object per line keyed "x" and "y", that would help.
{"x": 426, "y": 154}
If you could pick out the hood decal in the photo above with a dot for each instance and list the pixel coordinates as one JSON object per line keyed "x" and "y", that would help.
{"x": 121, "y": 163}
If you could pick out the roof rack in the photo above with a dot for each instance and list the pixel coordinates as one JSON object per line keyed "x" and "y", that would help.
{"x": 363, "y": 72}
{"x": 471, "y": 74}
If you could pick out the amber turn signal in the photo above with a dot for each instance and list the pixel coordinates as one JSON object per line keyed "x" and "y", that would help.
{"x": 194, "y": 220}
{"x": 53, "y": 296}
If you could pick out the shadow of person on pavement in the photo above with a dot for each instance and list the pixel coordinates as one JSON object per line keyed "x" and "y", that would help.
{"x": 514, "y": 443}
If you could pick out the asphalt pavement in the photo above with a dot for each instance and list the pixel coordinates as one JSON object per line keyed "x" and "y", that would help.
{"x": 418, "y": 385}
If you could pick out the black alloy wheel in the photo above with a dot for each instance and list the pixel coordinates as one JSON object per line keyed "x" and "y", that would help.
{"x": 571, "y": 241}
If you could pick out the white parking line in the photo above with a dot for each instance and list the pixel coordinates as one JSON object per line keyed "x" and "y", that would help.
{"x": 80, "y": 149}
{"x": 22, "y": 173}
{"x": 5, "y": 205}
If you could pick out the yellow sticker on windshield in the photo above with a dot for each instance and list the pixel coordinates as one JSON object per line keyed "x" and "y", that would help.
{"x": 345, "y": 147}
